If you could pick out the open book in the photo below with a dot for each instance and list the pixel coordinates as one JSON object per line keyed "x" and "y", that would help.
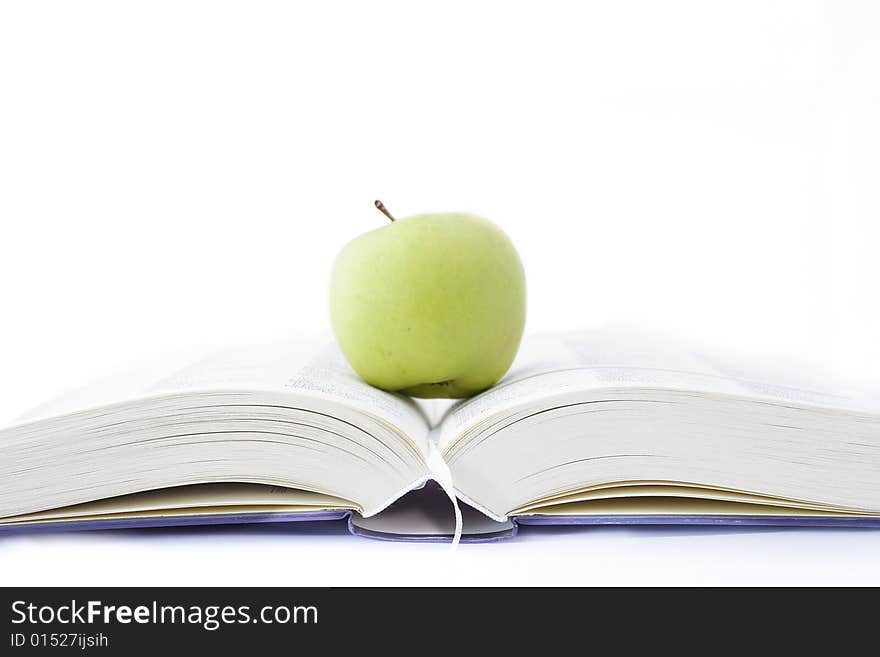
{"x": 586, "y": 428}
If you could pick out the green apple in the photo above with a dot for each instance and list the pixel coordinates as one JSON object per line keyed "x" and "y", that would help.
{"x": 431, "y": 305}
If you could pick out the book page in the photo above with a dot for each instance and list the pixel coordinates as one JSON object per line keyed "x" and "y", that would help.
{"x": 193, "y": 499}
{"x": 329, "y": 375}
{"x": 313, "y": 368}
{"x": 555, "y": 364}
{"x": 681, "y": 506}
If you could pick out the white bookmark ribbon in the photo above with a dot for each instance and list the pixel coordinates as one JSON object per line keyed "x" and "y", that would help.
{"x": 443, "y": 476}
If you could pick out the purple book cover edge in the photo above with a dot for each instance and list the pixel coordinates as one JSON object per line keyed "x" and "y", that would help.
{"x": 502, "y": 534}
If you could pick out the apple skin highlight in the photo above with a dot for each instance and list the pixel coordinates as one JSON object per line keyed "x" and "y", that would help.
{"x": 432, "y": 305}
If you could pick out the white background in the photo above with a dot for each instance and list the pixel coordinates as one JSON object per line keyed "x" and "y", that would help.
{"x": 180, "y": 174}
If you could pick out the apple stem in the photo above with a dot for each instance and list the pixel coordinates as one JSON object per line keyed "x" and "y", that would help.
{"x": 381, "y": 207}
